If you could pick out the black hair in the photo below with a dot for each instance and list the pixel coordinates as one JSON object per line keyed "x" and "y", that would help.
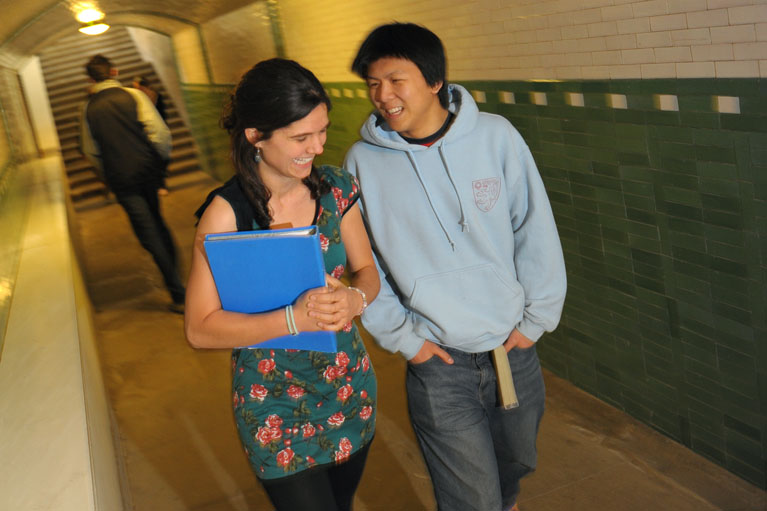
{"x": 99, "y": 68}
{"x": 272, "y": 95}
{"x": 406, "y": 41}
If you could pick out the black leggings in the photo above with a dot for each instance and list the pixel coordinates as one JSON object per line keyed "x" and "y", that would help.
{"x": 329, "y": 488}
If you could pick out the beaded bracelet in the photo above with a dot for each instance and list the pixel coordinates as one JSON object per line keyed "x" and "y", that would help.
{"x": 364, "y": 300}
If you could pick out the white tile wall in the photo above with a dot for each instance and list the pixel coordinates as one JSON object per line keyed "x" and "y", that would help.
{"x": 761, "y": 31}
{"x": 691, "y": 36}
{"x": 717, "y": 4}
{"x": 746, "y": 68}
{"x": 675, "y": 6}
{"x": 654, "y": 40}
{"x": 716, "y": 18}
{"x": 544, "y": 39}
{"x": 712, "y": 52}
{"x": 727, "y": 104}
{"x": 750, "y": 51}
{"x": 650, "y": 8}
{"x": 677, "y": 54}
{"x": 617, "y": 101}
{"x": 657, "y": 70}
{"x": 748, "y": 14}
{"x": 621, "y": 42}
{"x": 667, "y": 102}
{"x": 733, "y": 34}
{"x": 695, "y": 70}
{"x": 668, "y": 22}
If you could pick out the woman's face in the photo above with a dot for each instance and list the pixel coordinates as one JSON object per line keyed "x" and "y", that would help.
{"x": 290, "y": 151}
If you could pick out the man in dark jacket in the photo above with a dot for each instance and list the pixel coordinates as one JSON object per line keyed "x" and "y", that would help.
{"x": 124, "y": 136}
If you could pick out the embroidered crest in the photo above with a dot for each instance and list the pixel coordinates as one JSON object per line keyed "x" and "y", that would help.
{"x": 486, "y": 192}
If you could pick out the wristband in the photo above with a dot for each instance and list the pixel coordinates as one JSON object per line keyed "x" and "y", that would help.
{"x": 291, "y": 320}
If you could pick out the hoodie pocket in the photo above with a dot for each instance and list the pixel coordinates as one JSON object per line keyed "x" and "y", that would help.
{"x": 469, "y": 304}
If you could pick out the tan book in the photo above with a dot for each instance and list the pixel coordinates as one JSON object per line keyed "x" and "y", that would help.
{"x": 507, "y": 395}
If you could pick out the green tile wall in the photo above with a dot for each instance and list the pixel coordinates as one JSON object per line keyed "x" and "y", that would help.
{"x": 663, "y": 221}
{"x": 205, "y": 104}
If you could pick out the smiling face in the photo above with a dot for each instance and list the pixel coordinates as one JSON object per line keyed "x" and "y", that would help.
{"x": 400, "y": 93}
{"x": 290, "y": 151}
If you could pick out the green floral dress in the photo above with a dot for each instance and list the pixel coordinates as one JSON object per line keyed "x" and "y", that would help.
{"x": 300, "y": 409}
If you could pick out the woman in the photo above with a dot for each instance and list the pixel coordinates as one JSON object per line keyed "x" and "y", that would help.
{"x": 305, "y": 418}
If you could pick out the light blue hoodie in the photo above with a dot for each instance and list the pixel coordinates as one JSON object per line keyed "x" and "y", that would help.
{"x": 463, "y": 234}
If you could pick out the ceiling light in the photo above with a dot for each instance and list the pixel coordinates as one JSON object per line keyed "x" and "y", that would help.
{"x": 94, "y": 28}
{"x": 89, "y": 15}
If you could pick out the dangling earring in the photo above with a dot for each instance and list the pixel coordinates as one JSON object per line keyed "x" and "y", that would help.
{"x": 257, "y": 156}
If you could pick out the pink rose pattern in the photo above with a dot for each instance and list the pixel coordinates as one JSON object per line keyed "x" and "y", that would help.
{"x": 296, "y": 409}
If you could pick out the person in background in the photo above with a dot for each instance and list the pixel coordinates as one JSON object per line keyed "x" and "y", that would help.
{"x": 469, "y": 260}
{"x": 142, "y": 84}
{"x": 305, "y": 418}
{"x": 125, "y": 138}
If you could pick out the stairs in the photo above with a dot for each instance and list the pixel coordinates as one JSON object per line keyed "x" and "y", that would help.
{"x": 63, "y": 67}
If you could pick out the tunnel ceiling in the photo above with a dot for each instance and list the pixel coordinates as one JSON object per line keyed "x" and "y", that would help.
{"x": 28, "y": 25}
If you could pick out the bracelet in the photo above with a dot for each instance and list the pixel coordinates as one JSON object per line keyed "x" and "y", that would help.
{"x": 291, "y": 320}
{"x": 364, "y": 300}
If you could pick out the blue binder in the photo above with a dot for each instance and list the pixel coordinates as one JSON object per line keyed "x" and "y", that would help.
{"x": 261, "y": 271}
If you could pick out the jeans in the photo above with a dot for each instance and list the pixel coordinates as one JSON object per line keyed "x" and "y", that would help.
{"x": 143, "y": 209}
{"x": 476, "y": 452}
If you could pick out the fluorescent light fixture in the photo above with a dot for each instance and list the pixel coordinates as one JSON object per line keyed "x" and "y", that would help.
{"x": 89, "y": 15}
{"x": 94, "y": 29}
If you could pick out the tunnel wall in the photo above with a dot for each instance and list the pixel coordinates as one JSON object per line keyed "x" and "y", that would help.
{"x": 16, "y": 145}
{"x": 647, "y": 121}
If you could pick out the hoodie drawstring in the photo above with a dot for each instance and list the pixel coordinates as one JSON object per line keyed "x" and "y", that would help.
{"x": 464, "y": 222}
{"x": 411, "y": 156}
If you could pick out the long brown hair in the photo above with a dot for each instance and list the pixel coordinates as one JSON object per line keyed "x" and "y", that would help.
{"x": 272, "y": 95}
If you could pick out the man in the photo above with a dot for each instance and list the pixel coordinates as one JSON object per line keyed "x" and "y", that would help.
{"x": 469, "y": 258}
{"x": 126, "y": 139}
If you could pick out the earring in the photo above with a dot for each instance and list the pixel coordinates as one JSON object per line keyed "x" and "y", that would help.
{"x": 257, "y": 156}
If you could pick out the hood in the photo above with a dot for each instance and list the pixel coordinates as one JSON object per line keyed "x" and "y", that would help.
{"x": 375, "y": 131}
{"x": 105, "y": 84}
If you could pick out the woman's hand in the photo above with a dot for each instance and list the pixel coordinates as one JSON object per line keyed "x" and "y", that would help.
{"x": 301, "y": 310}
{"x": 336, "y": 307}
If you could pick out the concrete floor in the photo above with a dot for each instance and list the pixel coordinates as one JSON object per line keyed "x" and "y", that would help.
{"x": 181, "y": 452}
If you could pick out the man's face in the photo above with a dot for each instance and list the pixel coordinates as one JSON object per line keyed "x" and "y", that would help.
{"x": 400, "y": 93}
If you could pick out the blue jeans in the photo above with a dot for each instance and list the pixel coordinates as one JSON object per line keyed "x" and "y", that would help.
{"x": 476, "y": 452}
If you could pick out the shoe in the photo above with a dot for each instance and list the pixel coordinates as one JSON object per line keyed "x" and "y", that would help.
{"x": 177, "y": 308}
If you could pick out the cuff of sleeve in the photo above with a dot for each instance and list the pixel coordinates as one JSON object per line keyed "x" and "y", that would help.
{"x": 530, "y": 330}
{"x": 411, "y": 349}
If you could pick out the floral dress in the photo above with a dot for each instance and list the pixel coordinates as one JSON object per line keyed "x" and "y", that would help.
{"x": 298, "y": 409}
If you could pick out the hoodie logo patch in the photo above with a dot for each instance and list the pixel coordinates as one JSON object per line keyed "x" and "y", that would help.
{"x": 486, "y": 192}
